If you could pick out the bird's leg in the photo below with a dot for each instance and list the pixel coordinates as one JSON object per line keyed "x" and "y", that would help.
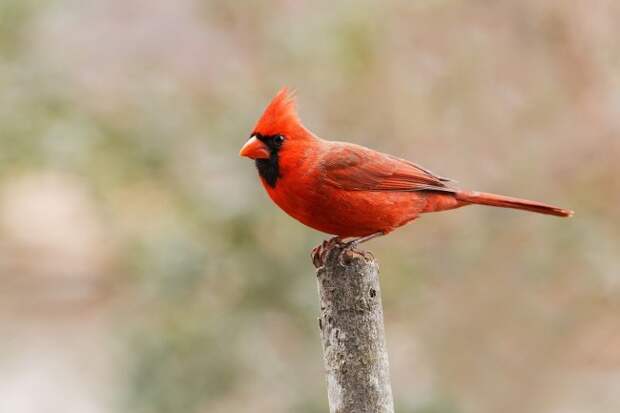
{"x": 319, "y": 252}
{"x": 348, "y": 247}
{"x": 357, "y": 241}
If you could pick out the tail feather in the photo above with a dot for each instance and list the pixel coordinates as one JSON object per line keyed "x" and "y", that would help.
{"x": 483, "y": 198}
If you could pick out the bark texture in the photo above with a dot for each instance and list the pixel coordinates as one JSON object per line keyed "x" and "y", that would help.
{"x": 352, "y": 332}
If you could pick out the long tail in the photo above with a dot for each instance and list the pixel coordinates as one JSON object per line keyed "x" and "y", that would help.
{"x": 501, "y": 201}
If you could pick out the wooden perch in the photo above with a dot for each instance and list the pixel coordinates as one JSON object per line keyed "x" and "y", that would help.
{"x": 352, "y": 332}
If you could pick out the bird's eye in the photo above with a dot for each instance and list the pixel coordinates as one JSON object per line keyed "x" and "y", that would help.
{"x": 278, "y": 139}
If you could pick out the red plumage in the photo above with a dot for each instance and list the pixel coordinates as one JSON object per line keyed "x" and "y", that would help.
{"x": 349, "y": 190}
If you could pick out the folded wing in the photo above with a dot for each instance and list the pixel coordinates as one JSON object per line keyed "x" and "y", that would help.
{"x": 355, "y": 168}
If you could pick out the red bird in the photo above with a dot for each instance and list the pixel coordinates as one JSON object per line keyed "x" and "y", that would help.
{"x": 348, "y": 190}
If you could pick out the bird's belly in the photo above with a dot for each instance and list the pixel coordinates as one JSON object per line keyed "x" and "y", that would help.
{"x": 348, "y": 213}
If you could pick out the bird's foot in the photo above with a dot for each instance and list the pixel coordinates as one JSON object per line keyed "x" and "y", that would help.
{"x": 319, "y": 253}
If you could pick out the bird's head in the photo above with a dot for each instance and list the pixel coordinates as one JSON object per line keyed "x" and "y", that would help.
{"x": 278, "y": 134}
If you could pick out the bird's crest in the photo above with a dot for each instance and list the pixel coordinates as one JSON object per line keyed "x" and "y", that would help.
{"x": 280, "y": 116}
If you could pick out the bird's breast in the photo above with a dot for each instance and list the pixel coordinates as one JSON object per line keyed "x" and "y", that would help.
{"x": 345, "y": 213}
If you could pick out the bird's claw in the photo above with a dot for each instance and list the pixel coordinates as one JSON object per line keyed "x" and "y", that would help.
{"x": 319, "y": 253}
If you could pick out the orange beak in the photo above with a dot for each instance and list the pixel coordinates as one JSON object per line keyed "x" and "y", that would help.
{"x": 254, "y": 149}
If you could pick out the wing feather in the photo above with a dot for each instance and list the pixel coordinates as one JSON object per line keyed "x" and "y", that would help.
{"x": 355, "y": 168}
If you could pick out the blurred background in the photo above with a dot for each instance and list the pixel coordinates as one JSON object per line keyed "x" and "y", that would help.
{"x": 144, "y": 269}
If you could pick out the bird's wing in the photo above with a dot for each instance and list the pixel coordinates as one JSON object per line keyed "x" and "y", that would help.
{"x": 355, "y": 168}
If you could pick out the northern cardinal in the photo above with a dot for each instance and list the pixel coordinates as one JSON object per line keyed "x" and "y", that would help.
{"x": 348, "y": 190}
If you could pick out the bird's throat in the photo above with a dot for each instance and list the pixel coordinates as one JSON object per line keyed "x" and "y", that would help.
{"x": 269, "y": 169}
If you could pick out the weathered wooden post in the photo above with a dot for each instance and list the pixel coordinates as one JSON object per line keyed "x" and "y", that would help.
{"x": 352, "y": 332}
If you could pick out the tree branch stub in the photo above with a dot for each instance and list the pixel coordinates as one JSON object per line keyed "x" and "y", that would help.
{"x": 352, "y": 332}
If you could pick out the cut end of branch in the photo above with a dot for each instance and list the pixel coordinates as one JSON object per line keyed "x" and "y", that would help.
{"x": 346, "y": 255}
